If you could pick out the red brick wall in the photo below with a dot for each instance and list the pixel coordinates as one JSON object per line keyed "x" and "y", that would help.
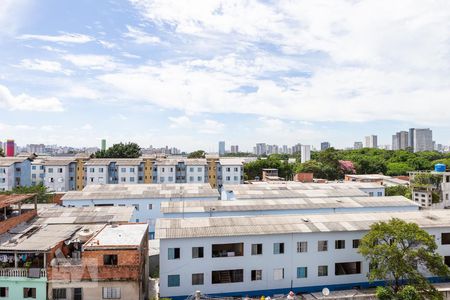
{"x": 14, "y": 221}
{"x": 304, "y": 177}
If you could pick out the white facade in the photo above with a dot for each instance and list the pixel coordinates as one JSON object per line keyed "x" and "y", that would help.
{"x": 166, "y": 173}
{"x": 275, "y": 266}
{"x": 97, "y": 174}
{"x": 128, "y": 174}
{"x": 195, "y": 173}
{"x": 305, "y": 153}
{"x": 14, "y": 172}
{"x": 59, "y": 176}
{"x": 6, "y": 178}
{"x": 231, "y": 173}
{"x": 37, "y": 172}
{"x": 423, "y": 140}
{"x": 371, "y": 141}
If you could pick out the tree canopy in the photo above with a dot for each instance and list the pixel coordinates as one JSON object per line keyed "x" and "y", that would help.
{"x": 398, "y": 253}
{"x": 197, "y": 154}
{"x": 121, "y": 150}
{"x": 278, "y": 161}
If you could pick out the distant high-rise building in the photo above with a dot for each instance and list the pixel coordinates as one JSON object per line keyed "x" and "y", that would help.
{"x": 423, "y": 140}
{"x": 358, "y": 145}
{"x": 261, "y": 149}
{"x": 296, "y": 148}
{"x": 222, "y": 148}
{"x": 400, "y": 140}
{"x": 103, "y": 148}
{"x": 411, "y": 138}
{"x": 305, "y": 153}
{"x": 36, "y": 148}
{"x": 234, "y": 148}
{"x": 10, "y": 148}
{"x": 324, "y": 146}
{"x": 285, "y": 149}
{"x": 371, "y": 141}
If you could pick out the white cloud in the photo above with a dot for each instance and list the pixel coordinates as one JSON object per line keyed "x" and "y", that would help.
{"x": 43, "y": 65}
{"x": 75, "y": 38}
{"x": 91, "y": 61}
{"x": 107, "y": 45}
{"x": 140, "y": 37}
{"x": 87, "y": 127}
{"x": 206, "y": 126}
{"x": 28, "y": 103}
{"x": 13, "y": 15}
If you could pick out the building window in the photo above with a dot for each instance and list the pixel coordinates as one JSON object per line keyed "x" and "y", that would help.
{"x": 197, "y": 252}
{"x": 4, "y": 292}
{"x": 347, "y": 268}
{"x": 29, "y": 293}
{"x": 110, "y": 260}
{"x": 191, "y": 169}
{"x": 59, "y": 294}
{"x": 123, "y": 179}
{"x": 131, "y": 179}
{"x": 136, "y": 206}
{"x": 131, "y": 170}
{"x": 302, "y": 247}
{"x": 356, "y": 243}
{"x": 198, "y": 279}
{"x": 257, "y": 249}
{"x": 227, "y": 276}
{"x": 322, "y": 246}
{"x": 60, "y": 170}
{"x": 339, "y": 244}
{"x": 100, "y": 170}
{"x": 228, "y": 250}
{"x": 322, "y": 271}
{"x": 170, "y": 179}
{"x": 174, "y": 253}
{"x": 173, "y": 280}
{"x": 150, "y": 206}
{"x": 302, "y": 272}
{"x": 278, "y": 248}
{"x": 445, "y": 238}
{"x": 278, "y": 274}
{"x": 256, "y": 275}
{"x": 50, "y": 170}
{"x": 123, "y": 170}
{"x": 111, "y": 293}
{"x": 371, "y": 194}
{"x": 379, "y": 194}
{"x": 199, "y": 178}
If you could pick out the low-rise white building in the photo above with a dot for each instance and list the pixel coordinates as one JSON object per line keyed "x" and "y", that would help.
{"x": 272, "y": 255}
{"x": 230, "y": 171}
{"x": 59, "y": 174}
{"x": 196, "y": 171}
{"x": 97, "y": 171}
{"x": 14, "y": 172}
{"x": 130, "y": 171}
{"x": 146, "y": 198}
{"x": 37, "y": 171}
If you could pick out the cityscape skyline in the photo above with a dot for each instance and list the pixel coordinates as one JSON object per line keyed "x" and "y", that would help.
{"x": 154, "y": 76}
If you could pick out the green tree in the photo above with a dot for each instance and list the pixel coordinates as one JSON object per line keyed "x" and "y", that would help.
{"x": 121, "y": 150}
{"x": 395, "y": 250}
{"x": 398, "y": 168}
{"x": 197, "y": 154}
{"x": 398, "y": 190}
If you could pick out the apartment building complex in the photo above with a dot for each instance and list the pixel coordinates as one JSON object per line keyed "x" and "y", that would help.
{"x": 274, "y": 254}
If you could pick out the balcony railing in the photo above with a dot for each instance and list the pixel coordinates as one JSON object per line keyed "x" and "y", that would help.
{"x": 23, "y": 272}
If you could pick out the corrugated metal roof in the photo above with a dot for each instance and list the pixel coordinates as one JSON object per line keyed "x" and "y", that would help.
{"x": 7, "y": 161}
{"x": 7, "y": 200}
{"x": 285, "y": 204}
{"x": 58, "y": 161}
{"x": 142, "y": 191}
{"x": 84, "y": 215}
{"x": 282, "y": 224}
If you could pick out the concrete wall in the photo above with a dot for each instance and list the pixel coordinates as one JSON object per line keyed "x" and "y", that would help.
{"x": 16, "y": 285}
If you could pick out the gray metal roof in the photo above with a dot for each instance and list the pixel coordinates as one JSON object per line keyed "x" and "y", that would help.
{"x": 7, "y": 161}
{"x": 285, "y": 224}
{"x": 142, "y": 191}
{"x": 285, "y": 204}
{"x": 84, "y": 215}
{"x": 58, "y": 161}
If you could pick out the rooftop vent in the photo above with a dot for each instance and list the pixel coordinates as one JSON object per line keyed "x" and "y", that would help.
{"x": 306, "y": 220}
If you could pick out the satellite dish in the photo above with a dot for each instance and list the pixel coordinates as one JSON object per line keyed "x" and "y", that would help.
{"x": 325, "y": 291}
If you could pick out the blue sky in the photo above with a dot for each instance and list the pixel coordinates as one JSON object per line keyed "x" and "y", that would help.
{"x": 191, "y": 73}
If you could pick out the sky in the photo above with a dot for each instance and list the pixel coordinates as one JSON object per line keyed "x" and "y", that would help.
{"x": 191, "y": 73}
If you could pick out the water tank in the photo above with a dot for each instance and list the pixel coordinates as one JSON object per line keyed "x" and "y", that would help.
{"x": 85, "y": 235}
{"x": 440, "y": 168}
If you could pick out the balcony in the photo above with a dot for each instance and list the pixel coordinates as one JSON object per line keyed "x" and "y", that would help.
{"x": 23, "y": 272}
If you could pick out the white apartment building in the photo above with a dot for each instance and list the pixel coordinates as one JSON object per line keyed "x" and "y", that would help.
{"x": 37, "y": 171}
{"x": 14, "y": 172}
{"x": 196, "y": 170}
{"x": 59, "y": 174}
{"x": 130, "y": 171}
{"x": 423, "y": 139}
{"x": 145, "y": 198}
{"x": 97, "y": 171}
{"x": 230, "y": 171}
{"x": 305, "y": 153}
{"x": 423, "y": 195}
{"x": 272, "y": 255}
{"x": 166, "y": 170}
